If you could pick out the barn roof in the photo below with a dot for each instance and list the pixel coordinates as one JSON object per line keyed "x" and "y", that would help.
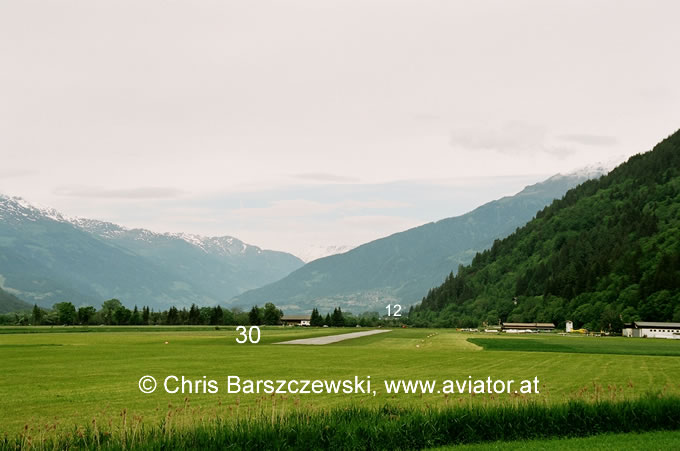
{"x": 648, "y": 324}
{"x": 525, "y": 325}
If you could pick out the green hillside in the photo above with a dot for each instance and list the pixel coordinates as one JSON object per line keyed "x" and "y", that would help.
{"x": 607, "y": 252}
{"x": 10, "y": 303}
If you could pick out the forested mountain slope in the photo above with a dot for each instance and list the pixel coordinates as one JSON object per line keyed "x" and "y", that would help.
{"x": 607, "y": 252}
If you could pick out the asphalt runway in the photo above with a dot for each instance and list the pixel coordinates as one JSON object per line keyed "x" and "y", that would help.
{"x": 332, "y": 338}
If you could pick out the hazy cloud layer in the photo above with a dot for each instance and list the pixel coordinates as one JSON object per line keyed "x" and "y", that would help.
{"x": 513, "y": 138}
{"x": 324, "y": 177}
{"x": 134, "y": 193}
{"x": 12, "y": 173}
{"x": 591, "y": 140}
{"x": 310, "y": 208}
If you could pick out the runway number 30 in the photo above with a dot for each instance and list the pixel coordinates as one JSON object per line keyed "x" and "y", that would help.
{"x": 397, "y": 309}
{"x": 249, "y": 336}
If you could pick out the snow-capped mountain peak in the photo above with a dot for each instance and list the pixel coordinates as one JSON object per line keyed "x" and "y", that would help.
{"x": 221, "y": 245}
{"x": 597, "y": 169}
{"x": 317, "y": 251}
{"x": 100, "y": 228}
{"x": 19, "y": 208}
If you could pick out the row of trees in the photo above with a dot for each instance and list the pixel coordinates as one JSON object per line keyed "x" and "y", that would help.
{"x": 338, "y": 319}
{"x": 113, "y": 312}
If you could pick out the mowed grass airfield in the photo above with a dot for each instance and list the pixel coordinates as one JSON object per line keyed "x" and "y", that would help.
{"x": 64, "y": 376}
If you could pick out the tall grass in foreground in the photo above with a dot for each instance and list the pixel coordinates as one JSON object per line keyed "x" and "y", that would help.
{"x": 373, "y": 428}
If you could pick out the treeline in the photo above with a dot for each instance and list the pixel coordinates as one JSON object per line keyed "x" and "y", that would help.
{"x": 114, "y": 313}
{"x": 608, "y": 252}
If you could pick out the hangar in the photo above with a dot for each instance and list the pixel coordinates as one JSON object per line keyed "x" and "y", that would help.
{"x": 650, "y": 329}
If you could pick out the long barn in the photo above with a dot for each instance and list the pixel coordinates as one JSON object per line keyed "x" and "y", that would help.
{"x": 519, "y": 328}
{"x": 296, "y": 320}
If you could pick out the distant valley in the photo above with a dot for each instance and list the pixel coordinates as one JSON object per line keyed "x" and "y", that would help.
{"x": 401, "y": 268}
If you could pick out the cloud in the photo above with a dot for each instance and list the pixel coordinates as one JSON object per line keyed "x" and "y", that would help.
{"x": 304, "y": 207}
{"x": 426, "y": 117}
{"x": 325, "y": 177}
{"x": 130, "y": 193}
{"x": 590, "y": 140}
{"x": 514, "y": 137}
{"x": 11, "y": 173}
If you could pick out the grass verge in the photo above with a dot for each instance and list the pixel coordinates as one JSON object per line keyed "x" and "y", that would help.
{"x": 367, "y": 428}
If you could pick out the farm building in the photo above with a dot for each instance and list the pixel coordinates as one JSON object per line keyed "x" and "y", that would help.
{"x": 523, "y": 328}
{"x": 647, "y": 329}
{"x": 296, "y": 320}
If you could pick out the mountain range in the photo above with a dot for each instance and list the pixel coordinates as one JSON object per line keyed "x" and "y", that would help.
{"x": 46, "y": 257}
{"x": 401, "y": 268}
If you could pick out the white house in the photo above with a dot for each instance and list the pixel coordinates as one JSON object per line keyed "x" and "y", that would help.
{"x": 648, "y": 329}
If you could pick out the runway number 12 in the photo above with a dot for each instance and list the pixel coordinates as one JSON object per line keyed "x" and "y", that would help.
{"x": 397, "y": 309}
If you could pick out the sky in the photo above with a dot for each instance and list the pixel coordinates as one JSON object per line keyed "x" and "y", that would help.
{"x": 299, "y": 124}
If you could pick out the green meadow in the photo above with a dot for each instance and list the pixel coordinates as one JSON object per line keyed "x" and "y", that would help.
{"x": 53, "y": 379}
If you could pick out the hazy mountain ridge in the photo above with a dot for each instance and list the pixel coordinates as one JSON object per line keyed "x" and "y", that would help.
{"x": 46, "y": 257}
{"x": 404, "y": 266}
{"x": 10, "y": 303}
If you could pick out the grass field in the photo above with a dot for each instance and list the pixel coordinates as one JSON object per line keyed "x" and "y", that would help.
{"x": 62, "y": 378}
{"x": 579, "y": 344}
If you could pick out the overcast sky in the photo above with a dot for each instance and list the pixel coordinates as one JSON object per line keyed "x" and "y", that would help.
{"x": 320, "y": 122}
